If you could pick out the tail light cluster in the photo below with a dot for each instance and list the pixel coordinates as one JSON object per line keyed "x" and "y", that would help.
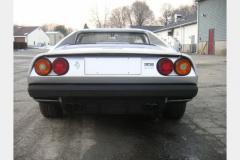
{"x": 59, "y": 66}
{"x": 181, "y": 66}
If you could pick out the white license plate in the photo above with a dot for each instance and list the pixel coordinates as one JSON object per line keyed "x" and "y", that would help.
{"x": 113, "y": 66}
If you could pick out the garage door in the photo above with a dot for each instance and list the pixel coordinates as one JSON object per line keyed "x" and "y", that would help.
{"x": 19, "y": 39}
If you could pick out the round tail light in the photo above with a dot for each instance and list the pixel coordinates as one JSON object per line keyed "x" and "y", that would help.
{"x": 60, "y": 66}
{"x": 182, "y": 67}
{"x": 165, "y": 66}
{"x": 43, "y": 66}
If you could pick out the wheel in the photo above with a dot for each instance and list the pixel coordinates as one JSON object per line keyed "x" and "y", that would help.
{"x": 50, "y": 110}
{"x": 174, "y": 110}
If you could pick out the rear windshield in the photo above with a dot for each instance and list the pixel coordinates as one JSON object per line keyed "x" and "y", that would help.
{"x": 112, "y": 37}
{"x": 79, "y": 37}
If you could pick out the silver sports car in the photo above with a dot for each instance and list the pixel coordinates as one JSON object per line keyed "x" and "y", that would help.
{"x": 112, "y": 71}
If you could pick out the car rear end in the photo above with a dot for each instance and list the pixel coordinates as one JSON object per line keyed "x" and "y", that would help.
{"x": 113, "y": 78}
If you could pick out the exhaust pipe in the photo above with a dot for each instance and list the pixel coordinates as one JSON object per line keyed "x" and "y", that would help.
{"x": 77, "y": 106}
{"x": 148, "y": 106}
{"x": 154, "y": 106}
{"x": 151, "y": 106}
{"x": 71, "y": 107}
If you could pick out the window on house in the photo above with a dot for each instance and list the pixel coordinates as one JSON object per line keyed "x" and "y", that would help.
{"x": 170, "y": 33}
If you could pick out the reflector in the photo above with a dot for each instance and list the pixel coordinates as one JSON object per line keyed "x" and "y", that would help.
{"x": 165, "y": 66}
{"x": 60, "y": 66}
{"x": 43, "y": 66}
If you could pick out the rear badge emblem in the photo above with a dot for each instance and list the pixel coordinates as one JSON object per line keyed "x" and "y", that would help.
{"x": 148, "y": 65}
{"x": 77, "y": 65}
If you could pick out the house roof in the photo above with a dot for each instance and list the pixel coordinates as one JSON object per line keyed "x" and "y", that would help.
{"x": 23, "y": 31}
{"x": 53, "y": 32}
{"x": 150, "y": 28}
{"x": 184, "y": 21}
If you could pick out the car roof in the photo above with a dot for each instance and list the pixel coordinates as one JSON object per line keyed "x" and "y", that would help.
{"x": 114, "y": 30}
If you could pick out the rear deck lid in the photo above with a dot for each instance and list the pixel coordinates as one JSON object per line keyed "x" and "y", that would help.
{"x": 113, "y": 48}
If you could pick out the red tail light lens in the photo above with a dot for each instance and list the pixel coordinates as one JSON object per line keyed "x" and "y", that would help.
{"x": 165, "y": 66}
{"x": 43, "y": 67}
{"x": 60, "y": 66}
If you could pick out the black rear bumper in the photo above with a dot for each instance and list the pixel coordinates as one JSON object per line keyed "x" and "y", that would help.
{"x": 112, "y": 90}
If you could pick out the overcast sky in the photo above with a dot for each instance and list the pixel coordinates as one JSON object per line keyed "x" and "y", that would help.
{"x": 73, "y": 13}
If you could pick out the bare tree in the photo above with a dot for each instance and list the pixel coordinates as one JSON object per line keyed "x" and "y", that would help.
{"x": 118, "y": 18}
{"x": 157, "y": 22}
{"x": 45, "y": 27}
{"x": 61, "y": 28}
{"x": 127, "y": 12}
{"x": 192, "y": 8}
{"x": 167, "y": 10}
{"x": 161, "y": 21}
{"x": 48, "y": 27}
{"x": 142, "y": 13}
{"x": 185, "y": 10}
{"x": 96, "y": 18}
{"x": 138, "y": 13}
{"x": 19, "y": 25}
{"x": 106, "y": 13}
{"x": 69, "y": 30}
{"x": 182, "y": 9}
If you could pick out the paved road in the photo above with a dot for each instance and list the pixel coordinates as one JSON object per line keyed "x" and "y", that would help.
{"x": 200, "y": 134}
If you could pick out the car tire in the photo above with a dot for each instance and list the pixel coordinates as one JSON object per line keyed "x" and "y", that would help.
{"x": 51, "y": 110}
{"x": 174, "y": 110}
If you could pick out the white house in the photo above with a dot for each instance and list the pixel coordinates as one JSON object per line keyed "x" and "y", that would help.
{"x": 183, "y": 30}
{"x": 55, "y": 37}
{"x": 34, "y": 36}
